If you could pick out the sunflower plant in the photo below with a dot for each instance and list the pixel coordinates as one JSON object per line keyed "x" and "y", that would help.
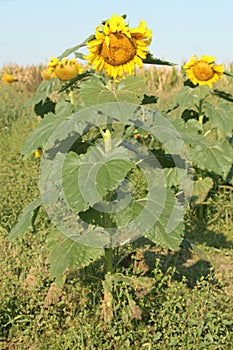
{"x": 204, "y": 114}
{"x": 113, "y": 170}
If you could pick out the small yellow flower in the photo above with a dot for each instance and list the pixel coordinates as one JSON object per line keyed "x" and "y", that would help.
{"x": 46, "y": 75}
{"x": 203, "y": 71}
{"x": 64, "y": 69}
{"x": 8, "y": 78}
{"x": 116, "y": 48}
{"x": 38, "y": 153}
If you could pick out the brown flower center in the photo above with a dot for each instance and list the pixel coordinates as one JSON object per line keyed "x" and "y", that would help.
{"x": 121, "y": 49}
{"x": 203, "y": 71}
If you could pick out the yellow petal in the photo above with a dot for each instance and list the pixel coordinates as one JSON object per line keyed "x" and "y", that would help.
{"x": 207, "y": 59}
{"x": 218, "y": 68}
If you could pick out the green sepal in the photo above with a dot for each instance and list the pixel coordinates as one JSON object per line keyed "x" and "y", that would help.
{"x": 151, "y": 60}
{"x": 229, "y": 74}
{"x": 75, "y": 48}
{"x": 74, "y": 80}
{"x": 224, "y": 95}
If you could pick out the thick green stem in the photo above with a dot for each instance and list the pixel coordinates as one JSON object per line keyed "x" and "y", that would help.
{"x": 201, "y": 117}
{"x": 108, "y": 260}
{"x": 71, "y": 95}
{"x": 200, "y": 112}
{"x": 107, "y": 251}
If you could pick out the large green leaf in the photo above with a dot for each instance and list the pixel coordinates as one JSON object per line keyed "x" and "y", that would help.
{"x": 93, "y": 175}
{"x": 201, "y": 188}
{"x": 47, "y": 126}
{"x": 191, "y": 127}
{"x": 158, "y": 216}
{"x": 94, "y": 92}
{"x": 111, "y": 173}
{"x": 43, "y": 91}
{"x": 70, "y": 183}
{"x": 27, "y": 219}
{"x": 212, "y": 133}
{"x": 188, "y": 97}
{"x": 131, "y": 89}
{"x": 168, "y": 230}
{"x": 172, "y": 178}
{"x": 65, "y": 253}
{"x": 216, "y": 156}
{"x": 100, "y": 172}
{"x": 220, "y": 116}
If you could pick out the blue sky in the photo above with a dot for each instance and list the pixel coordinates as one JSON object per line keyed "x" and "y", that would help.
{"x": 33, "y": 31}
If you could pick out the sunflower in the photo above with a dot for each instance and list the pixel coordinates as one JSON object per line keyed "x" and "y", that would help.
{"x": 203, "y": 71}
{"x": 64, "y": 69}
{"x": 38, "y": 152}
{"x": 8, "y": 78}
{"x": 116, "y": 48}
{"x": 46, "y": 75}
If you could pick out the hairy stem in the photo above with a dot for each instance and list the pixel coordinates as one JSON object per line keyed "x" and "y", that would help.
{"x": 108, "y": 252}
{"x": 71, "y": 96}
{"x": 108, "y": 264}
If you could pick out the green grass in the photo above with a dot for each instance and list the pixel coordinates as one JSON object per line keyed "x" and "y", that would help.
{"x": 188, "y": 303}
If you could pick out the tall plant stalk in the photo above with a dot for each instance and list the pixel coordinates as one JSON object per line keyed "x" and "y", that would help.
{"x": 108, "y": 252}
{"x": 108, "y": 260}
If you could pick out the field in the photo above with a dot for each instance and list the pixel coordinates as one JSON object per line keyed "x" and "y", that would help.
{"x": 187, "y": 298}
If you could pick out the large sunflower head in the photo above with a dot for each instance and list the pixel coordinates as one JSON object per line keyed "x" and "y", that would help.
{"x": 116, "y": 48}
{"x": 203, "y": 71}
{"x": 64, "y": 69}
